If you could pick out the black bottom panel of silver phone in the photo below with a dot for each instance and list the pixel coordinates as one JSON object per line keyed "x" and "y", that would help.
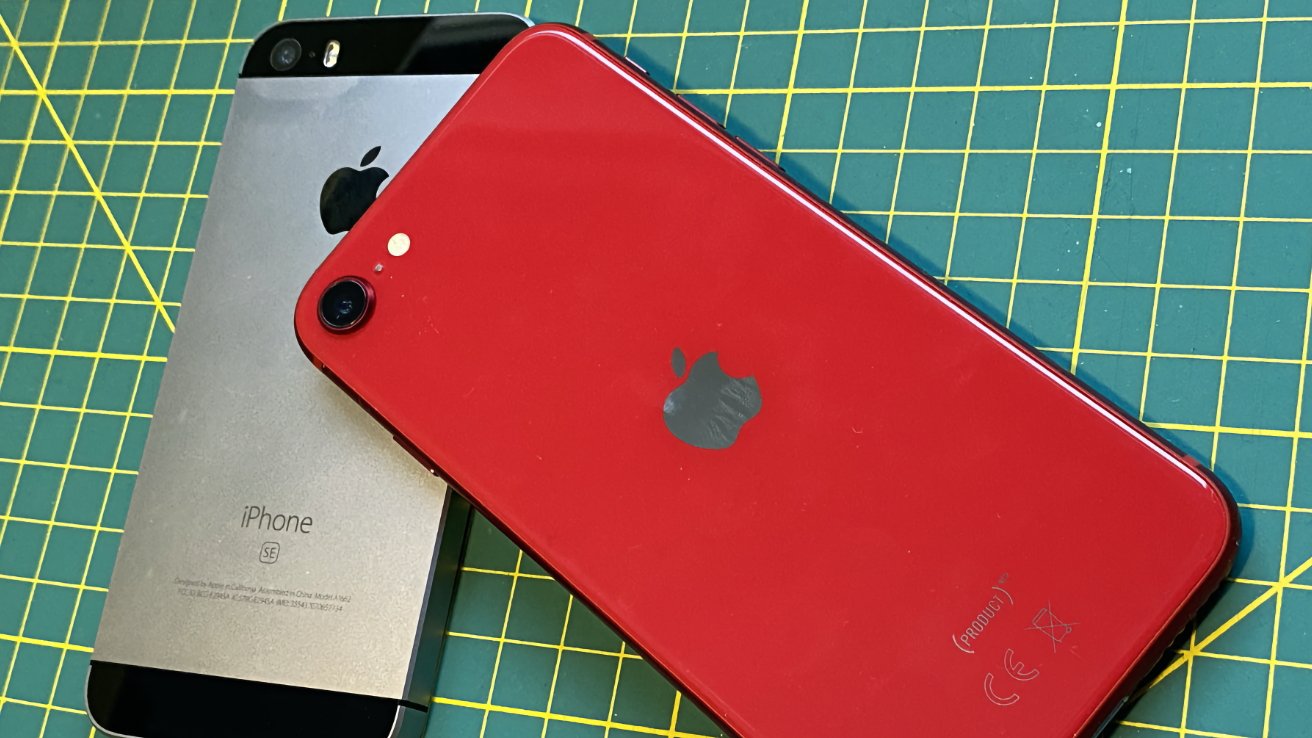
{"x": 158, "y": 703}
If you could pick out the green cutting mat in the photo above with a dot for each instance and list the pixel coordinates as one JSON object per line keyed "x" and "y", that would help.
{"x": 1125, "y": 184}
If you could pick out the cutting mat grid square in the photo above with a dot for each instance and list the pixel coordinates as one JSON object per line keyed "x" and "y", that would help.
{"x": 1124, "y": 184}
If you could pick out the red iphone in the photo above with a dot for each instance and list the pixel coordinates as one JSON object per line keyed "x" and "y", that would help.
{"x": 821, "y": 493}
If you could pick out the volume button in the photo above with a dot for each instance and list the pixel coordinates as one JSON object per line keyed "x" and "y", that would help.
{"x": 636, "y": 66}
{"x": 713, "y": 123}
{"x": 760, "y": 155}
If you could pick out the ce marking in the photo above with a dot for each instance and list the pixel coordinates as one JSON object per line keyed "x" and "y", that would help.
{"x": 1014, "y": 669}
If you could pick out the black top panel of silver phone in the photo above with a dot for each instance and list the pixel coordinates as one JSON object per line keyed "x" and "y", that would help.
{"x": 439, "y": 44}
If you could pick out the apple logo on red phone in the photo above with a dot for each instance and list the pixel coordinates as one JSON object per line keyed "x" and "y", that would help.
{"x": 710, "y": 407}
{"x": 348, "y": 192}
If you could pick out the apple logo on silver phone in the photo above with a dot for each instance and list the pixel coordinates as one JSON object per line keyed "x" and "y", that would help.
{"x": 710, "y": 407}
{"x": 348, "y": 192}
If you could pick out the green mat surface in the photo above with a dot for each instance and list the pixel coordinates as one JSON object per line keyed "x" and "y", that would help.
{"x": 1125, "y": 184}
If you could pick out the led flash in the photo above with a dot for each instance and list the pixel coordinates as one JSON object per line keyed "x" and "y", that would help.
{"x": 330, "y": 53}
{"x": 398, "y": 244}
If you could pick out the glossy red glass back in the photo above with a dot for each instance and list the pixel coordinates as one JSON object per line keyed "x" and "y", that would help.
{"x": 926, "y": 530}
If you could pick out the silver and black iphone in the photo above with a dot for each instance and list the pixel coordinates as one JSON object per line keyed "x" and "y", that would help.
{"x": 286, "y": 568}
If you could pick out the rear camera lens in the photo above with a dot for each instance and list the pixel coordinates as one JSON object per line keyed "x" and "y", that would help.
{"x": 285, "y": 54}
{"x": 345, "y": 304}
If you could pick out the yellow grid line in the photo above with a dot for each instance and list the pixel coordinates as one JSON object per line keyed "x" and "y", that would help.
{"x": 1273, "y": 508}
{"x": 1037, "y": 150}
{"x": 103, "y": 246}
{"x": 1228, "y": 429}
{"x": 970, "y": 138}
{"x": 56, "y": 708}
{"x": 1098, "y": 189}
{"x": 73, "y": 298}
{"x": 1165, "y": 729}
{"x": 501, "y": 642}
{"x": 974, "y": 27}
{"x": 906, "y": 126}
{"x": 1095, "y": 87}
{"x": 847, "y": 109}
{"x": 683, "y": 42}
{"x": 737, "y": 59}
{"x": 58, "y": 523}
{"x": 615, "y": 685}
{"x": 103, "y": 193}
{"x": 101, "y": 141}
{"x": 555, "y": 669}
{"x": 82, "y": 354}
{"x": 489, "y": 707}
{"x": 1086, "y": 216}
{"x": 1167, "y": 286}
{"x": 1298, "y": 408}
{"x": 50, "y": 582}
{"x": 103, "y": 92}
{"x": 54, "y": 465}
{"x": 23, "y": 640}
{"x": 1166, "y": 226}
{"x": 792, "y": 77}
{"x": 1029, "y": 177}
{"x": 1268, "y": 662}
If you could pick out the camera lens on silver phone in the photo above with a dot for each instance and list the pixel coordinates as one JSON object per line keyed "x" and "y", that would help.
{"x": 285, "y": 54}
